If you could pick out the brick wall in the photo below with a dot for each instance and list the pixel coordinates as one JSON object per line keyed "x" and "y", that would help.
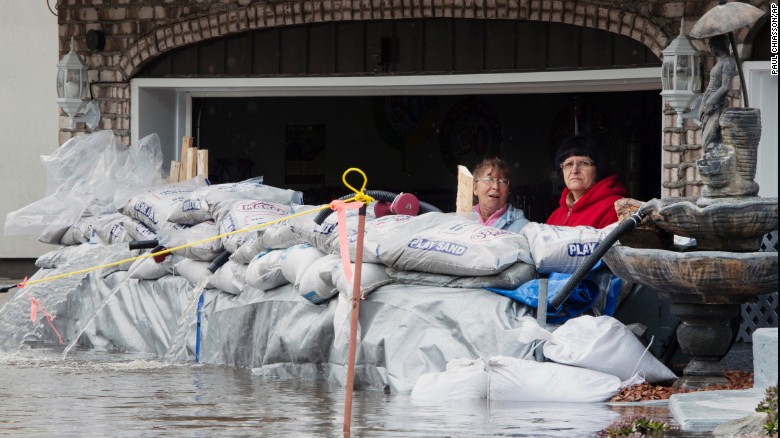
{"x": 139, "y": 30}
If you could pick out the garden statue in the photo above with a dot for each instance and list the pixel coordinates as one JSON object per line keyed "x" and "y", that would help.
{"x": 715, "y": 98}
{"x": 730, "y": 135}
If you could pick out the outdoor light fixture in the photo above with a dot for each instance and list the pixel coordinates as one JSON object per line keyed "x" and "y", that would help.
{"x": 72, "y": 90}
{"x": 681, "y": 75}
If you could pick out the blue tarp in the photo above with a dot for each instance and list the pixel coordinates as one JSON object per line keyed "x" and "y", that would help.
{"x": 599, "y": 281}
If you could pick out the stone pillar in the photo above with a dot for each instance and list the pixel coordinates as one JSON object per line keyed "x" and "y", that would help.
{"x": 681, "y": 147}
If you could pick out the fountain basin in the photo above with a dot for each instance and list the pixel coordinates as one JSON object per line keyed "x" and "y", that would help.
{"x": 726, "y": 224}
{"x": 705, "y": 277}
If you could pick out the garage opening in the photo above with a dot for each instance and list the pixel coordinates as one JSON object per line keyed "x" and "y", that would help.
{"x": 413, "y": 143}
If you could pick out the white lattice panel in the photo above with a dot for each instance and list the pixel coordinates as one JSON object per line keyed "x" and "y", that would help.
{"x": 762, "y": 312}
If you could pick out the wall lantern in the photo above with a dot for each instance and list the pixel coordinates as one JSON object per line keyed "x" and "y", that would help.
{"x": 72, "y": 90}
{"x": 681, "y": 75}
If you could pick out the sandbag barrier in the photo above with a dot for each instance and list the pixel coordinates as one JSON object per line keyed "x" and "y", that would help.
{"x": 160, "y": 253}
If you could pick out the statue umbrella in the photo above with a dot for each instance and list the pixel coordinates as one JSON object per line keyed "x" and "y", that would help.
{"x": 725, "y": 18}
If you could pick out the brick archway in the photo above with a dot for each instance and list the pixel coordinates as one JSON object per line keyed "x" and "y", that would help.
{"x": 266, "y": 15}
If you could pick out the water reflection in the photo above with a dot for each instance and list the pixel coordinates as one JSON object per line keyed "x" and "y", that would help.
{"x": 103, "y": 394}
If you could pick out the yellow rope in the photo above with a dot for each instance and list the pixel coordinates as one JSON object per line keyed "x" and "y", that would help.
{"x": 359, "y": 197}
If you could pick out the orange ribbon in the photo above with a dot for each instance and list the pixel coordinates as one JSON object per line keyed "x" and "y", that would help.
{"x": 34, "y": 305}
{"x": 341, "y": 208}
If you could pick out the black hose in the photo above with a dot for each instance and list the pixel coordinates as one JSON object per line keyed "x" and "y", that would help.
{"x": 588, "y": 264}
{"x": 379, "y": 195}
{"x": 143, "y": 244}
{"x": 4, "y": 289}
{"x": 219, "y": 261}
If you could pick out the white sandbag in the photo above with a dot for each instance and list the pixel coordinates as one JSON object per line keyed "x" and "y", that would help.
{"x": 77, "y": 233}
{"x": 238, "y": 215}
{"x": 193, "y": 271}
{"x": 512, "y": 379}
{"x": 229, "y": 278}
{"x": 282, "y": 234}
{"x": 316, "y": 284}
{"x": 372, "y": 276}
{"x": 445, "y": 244}
{"x": 250, "y": 190}
{"x": 464, "y": 379}
{"x": 510, "y": 278}
{"x": 101, "y": 229}
{"x": 153, "y": 207}
{"x": 604, "y": 344}
{"x": 296, "y": 259}
{"x": 195, "y": 209}
{"x": 264, "y": 272}
{"x": 190, "y": 211}
{"x": 109, "y": 229}
{"x": 317, "y": 235}
{"x": 562, "y": 249}
{"x": 325, "y": 236}
{"x": 137, "y": 230}
{"x": 176, "y": 235}
{"x": 247, "y": 251}
{"x": 198, "y": 207}
{"x": 375, "y": 230}
{"x": 146, "y": 269}
{"x": 279, "y": 235}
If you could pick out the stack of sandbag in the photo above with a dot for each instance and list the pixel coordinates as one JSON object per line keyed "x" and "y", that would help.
{"x": 198, "y": 222}
{"x": 448, "y": 247}
{"x": 604, "y": 344}
{"x": 437, "y": 243}
{"x": 105, "y": 228}
{"x": 432, "y": 249}
{"x": 589, "y": 359}
{"x": 445, "y": 244}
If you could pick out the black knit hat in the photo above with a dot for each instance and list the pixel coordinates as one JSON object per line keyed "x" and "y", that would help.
{"x": 583, "y": 146}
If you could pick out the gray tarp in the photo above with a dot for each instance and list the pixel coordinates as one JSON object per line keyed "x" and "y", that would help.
{"x": 406, "y": 330}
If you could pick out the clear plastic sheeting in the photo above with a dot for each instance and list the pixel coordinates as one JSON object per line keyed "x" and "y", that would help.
{"x": 88, "y": 175}
{"x": 61, "y": 298}
{"x": 406, "y": 330}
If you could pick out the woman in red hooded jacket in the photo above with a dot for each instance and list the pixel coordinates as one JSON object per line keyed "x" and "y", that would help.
{"x": 591, "y": 191}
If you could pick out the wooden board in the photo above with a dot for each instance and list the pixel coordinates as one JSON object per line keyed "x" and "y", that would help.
{"x": 191, "y": 163}
{"x": 464, "y": 201}
{"x": 174, "y": 175}
{"x": 203, "y": 162}
{"x": 186, "y": 145}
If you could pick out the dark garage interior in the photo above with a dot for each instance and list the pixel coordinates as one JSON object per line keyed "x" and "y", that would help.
{"x": 414, "y": 143}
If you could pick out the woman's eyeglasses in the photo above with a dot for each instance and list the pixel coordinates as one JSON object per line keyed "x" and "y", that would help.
{"x": 584, "y": 164}
{"x": 490, "y": 181}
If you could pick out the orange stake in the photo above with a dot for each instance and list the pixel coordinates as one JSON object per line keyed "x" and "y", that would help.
{"x": 354, "y": 321}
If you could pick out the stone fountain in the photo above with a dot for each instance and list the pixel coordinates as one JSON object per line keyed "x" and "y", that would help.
{"x": 707, "y": 285}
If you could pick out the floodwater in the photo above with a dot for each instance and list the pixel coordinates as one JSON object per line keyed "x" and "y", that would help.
{"x": 96, "y": 393}
{"x": 92, "y": 393}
